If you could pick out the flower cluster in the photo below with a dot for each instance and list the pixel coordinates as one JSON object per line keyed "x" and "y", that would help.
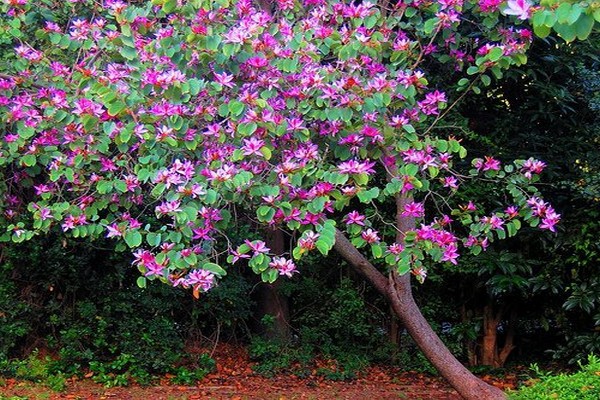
{"x": 195, "y": 117}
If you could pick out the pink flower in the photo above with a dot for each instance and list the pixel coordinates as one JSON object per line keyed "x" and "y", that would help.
{"x": 308, "y": 240}
{"x": 395, "y": 248}
{"x": 519, "y": 8}
{"x": 450, "y": 182}
{"x": 355, "y": 218}
{"x": 113, "y": 231}
{"x": 257, "y": 246}
{"x": 253, "y": 146}
{"x": 489, "y": 164}
{"x": 451, "y": 253}
{"x": 370, "y": 236}
{"x": 143, "y": 257}
{"x": 494, "y": 221}
{"x": 489, "y": 5}
{"x": 532, "y": 166}
{"x": 154, "y": 269}
{"x": 238, "y": 256}
{"x": 72, "y": 221}
{"x": 284, "y": 266}
{"x": 413, "y": 209}
{"x": 257, "y": 62}
{"x": 168, "y": 207}
{"x": 200, "y": 279}
{"x": 469, "y": 207}
{"x": 45, "y": 214}
{"x": 224, "y": 79}
{"x": 420, "y": 273}
{"x": 512, "y": 211}
{"x": 356, "y": 167}
{"x": 550, "y": 220}
{"x": 86, "y": 106}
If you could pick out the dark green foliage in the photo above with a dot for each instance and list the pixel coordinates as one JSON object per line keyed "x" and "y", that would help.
{"x": 36, "y": 369}
{"x": 333, "y": 322}
{"x": 14, "y": 315}
{"x": 583, "y": 385}
{"x": 80, "y": 303}
{"x": 189, "y": 376}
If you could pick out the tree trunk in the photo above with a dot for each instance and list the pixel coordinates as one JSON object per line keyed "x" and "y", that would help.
{"x": 397, "y": 291}
{"x": 491, "y": 353}
{"x": 270, "y": 301}
{"x": 508, "y": 346}
{"x": 489, "y": 345}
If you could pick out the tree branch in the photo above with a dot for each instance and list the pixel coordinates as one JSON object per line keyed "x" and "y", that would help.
{"x": 347, "y": 250}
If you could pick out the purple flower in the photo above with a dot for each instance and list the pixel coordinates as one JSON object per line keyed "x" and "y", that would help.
{"x": 284, "y": 266}
{"x": 354, "y": 217}
{"x": 199, "y": 279}
{"x": 413, "y": 209}
{"x": 257, "y": 246}
{"x": 518, "y": 8}
{"x": 370, "y": 236}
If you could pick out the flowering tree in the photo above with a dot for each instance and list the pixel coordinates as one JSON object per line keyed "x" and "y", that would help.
{"x": 163, "y": 124}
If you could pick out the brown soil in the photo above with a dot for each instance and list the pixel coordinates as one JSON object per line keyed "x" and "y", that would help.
{"x": 234, "y": 379}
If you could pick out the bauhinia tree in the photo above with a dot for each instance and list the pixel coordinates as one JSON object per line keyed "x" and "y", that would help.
{"x": 164, "y": 123}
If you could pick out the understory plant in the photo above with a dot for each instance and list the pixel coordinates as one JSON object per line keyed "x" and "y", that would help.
{"x": 582, "y": 385}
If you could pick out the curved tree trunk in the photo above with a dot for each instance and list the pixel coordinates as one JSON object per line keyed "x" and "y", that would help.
{"x": 397, "y": 291}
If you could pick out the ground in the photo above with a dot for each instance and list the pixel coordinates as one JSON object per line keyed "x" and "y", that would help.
{"x": 234, "y": 379}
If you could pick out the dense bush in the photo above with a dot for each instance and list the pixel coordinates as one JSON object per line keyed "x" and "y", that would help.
{"x": 583, "y": 385}
{"x": 81, "y": 305}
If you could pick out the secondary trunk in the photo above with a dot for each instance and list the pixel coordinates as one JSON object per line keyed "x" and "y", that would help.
{"x": 491, "y": 352}
{"x": 270, "y": 301}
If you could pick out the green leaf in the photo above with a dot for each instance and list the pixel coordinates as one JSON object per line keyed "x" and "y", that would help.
{"x": 116, "y": 108}
{"x": 574, "y": 14}
{"x": 317, "y": 204}
{"x": 214, "y": 268}
{"x": 28, "y": 160}
{"x": 562, "y": 12}
{"x": 365, "y": 196}
{"x": 377, "y": 251}
{"x": 269, "y": 276}
{"x": 584, "y": 26}
{"x": 141, "y": 282}
{"x": 361, "y": 179}
{"x": 472, "y": 70}
{"x": 236, "y": 108}
{"x": 322, "y": 247}
{"x": 128, "y": 52}
{"x": 169, "y": 6}
{"x": 266, "y": 152}
{"x": 403, "y": 268}
{"x": 133, "y": 238}
{"x": 265, "y": 213}
{"x": 567, "y": 32}
{"x": 246, "y": 129}
{"x": 495, "y": 54}
{"x": 542, "y": 31}
{"x": 153, "y": 239}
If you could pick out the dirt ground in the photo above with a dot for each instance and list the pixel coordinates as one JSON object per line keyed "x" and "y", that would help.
{"x": 234, "y": 379}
